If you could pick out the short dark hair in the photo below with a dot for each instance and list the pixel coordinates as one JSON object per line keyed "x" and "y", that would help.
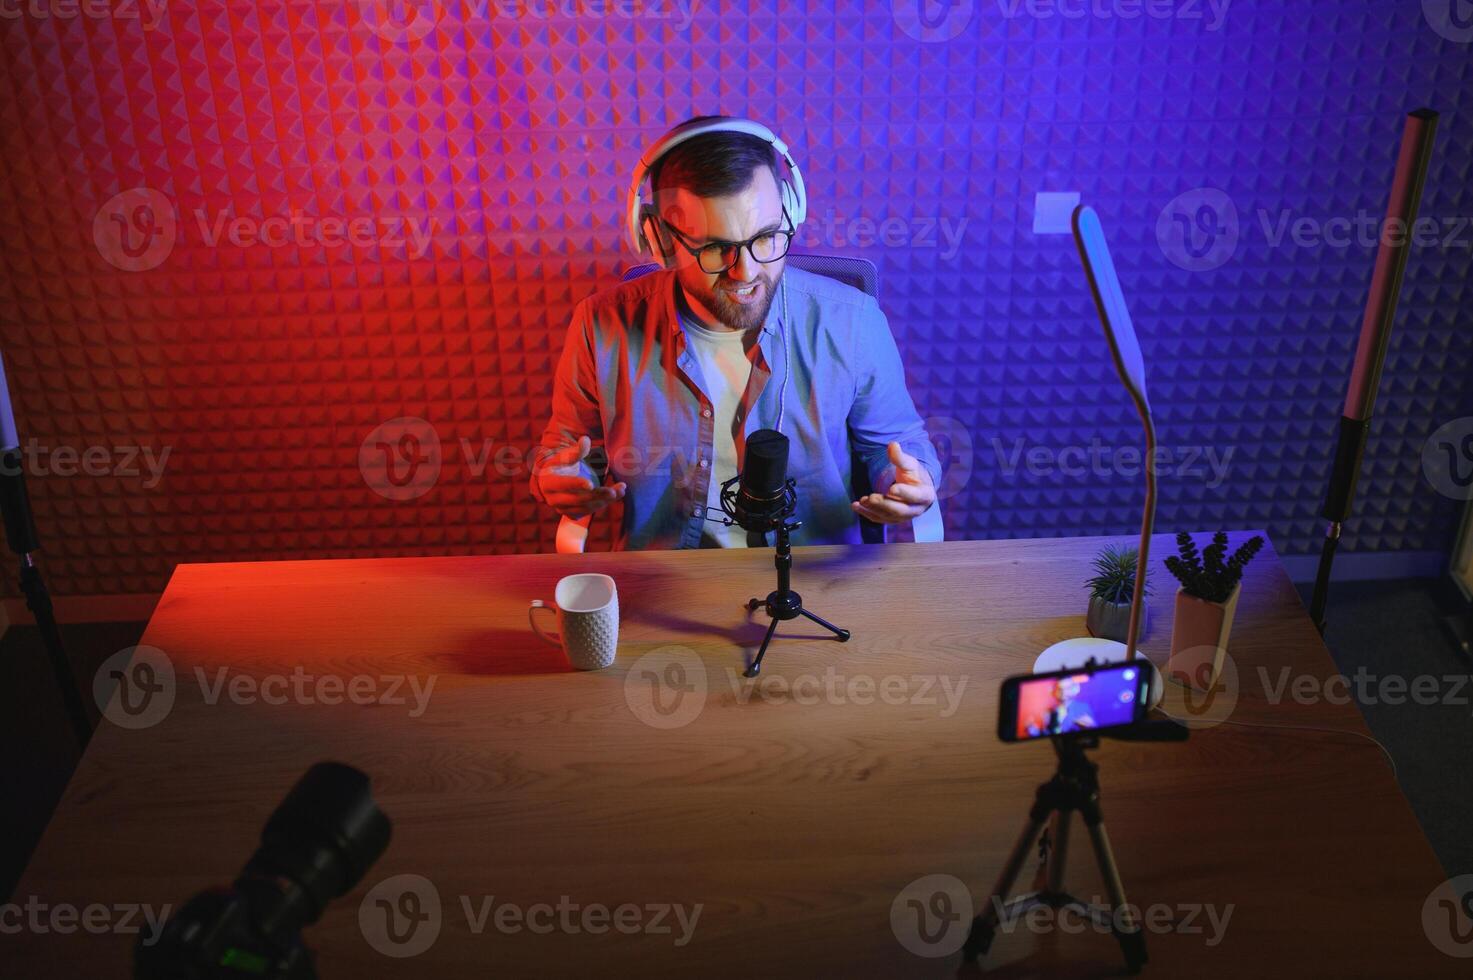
{"x": 713, "y": 164}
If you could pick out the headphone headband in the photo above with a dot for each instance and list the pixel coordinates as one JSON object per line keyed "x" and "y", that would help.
{"x": 794, "y": 195}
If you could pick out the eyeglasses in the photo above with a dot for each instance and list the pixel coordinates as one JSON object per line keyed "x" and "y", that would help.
{"x": 715, "y": 258}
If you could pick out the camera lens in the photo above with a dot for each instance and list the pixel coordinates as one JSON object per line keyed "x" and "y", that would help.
{"x": 317, "y": 845}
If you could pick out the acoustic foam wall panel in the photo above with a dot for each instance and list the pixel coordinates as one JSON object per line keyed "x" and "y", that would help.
{"x": 212, "y": 369}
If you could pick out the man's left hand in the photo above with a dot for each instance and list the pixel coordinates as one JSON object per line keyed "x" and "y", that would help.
{"x": 905, "y": 499}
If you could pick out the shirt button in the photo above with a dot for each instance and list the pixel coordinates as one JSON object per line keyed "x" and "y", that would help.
{"x": 705, "y": 463}
{"x": 705, "y": 413}
{"x": 698, "y": 510}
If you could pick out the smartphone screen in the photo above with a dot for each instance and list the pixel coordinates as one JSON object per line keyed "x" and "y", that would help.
{"x": 1063, "y": 703}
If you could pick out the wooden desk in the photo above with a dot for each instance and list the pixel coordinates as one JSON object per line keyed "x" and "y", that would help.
{"x": 795, "y": 820}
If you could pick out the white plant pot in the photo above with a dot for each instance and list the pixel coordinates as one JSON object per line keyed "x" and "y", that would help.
{"x": 1199, "y": 638}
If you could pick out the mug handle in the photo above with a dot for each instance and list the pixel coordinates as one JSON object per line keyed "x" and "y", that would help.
{"x": 537, "y": 604}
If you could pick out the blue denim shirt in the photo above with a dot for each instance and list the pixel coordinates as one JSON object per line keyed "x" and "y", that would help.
{"x": 627, "y": 380}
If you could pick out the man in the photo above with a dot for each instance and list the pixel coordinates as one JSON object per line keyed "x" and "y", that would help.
{"x": 672, "y": 371}
{"x": 1069, "y": 712}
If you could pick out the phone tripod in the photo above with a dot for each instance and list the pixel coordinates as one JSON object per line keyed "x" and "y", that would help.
{"x": 1075, "y": 787}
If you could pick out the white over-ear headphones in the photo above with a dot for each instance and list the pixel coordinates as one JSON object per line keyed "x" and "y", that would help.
{"x": 647, "y": 241}
{"x": 642, "y": 215}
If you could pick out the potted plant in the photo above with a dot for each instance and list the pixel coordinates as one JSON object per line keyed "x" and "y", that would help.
{"x": 1211, "y": 582}
{"x": 1110, "y": 592}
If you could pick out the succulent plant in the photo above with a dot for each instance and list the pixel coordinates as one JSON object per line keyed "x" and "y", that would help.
{"x": 1114, "y": 578}
{"x": 1210, "y": 574}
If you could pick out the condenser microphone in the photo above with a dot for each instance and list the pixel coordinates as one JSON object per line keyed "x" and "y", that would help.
{"x": 761, "y": 498}
{"x": 763, "y": 483}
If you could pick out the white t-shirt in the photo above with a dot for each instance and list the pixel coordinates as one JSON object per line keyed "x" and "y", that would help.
{"x": 725, "y": 368}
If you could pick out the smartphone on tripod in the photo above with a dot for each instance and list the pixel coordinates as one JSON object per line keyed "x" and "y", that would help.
{"x": 1072, "y": 702}
{"x": 1068, "y": 707}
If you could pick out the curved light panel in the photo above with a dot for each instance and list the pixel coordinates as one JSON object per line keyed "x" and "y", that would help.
{"x": 1110, "y": 301}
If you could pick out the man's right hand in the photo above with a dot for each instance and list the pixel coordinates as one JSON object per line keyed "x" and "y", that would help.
{"x": 567, "y": 484}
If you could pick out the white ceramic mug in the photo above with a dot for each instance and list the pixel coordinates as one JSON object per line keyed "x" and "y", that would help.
{"x": 587, "y": 608}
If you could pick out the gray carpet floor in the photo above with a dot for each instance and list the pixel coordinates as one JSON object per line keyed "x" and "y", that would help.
{"x": 1397, "y": 630}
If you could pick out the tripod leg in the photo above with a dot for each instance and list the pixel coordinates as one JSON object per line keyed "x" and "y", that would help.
{"x": 1045, "y": 849}
{"x": 984, "y": 926}
{"x": 756, "y": 667}
{"x": 1058, "y": 855}
{"x": 842, "y": 634}
{"x": 1127, "y": 931}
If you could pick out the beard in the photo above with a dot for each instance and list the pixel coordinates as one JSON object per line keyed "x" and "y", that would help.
{"x": 742, "y": 316}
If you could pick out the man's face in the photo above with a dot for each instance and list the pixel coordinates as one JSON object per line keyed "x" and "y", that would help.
{"x": 739, "y": 297}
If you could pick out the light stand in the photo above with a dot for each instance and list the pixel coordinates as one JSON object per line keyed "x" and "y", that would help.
{"x": 1125, "y": 354}
{"x": 1370, "y": 353}
{"x": 1075, "y": 784}
{"x": 20, "y": 534}
{"x": 783, "y": 603}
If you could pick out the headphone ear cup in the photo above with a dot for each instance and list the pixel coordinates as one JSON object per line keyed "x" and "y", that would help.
{"x": 790, "y": 204}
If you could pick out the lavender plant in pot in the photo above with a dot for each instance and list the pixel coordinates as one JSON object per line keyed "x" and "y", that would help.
{"x": 1110, "y": 591}
{"x": 1211, "y": 582}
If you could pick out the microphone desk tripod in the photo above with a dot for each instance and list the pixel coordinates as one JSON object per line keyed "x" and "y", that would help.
{"x": 782, "y": 604}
